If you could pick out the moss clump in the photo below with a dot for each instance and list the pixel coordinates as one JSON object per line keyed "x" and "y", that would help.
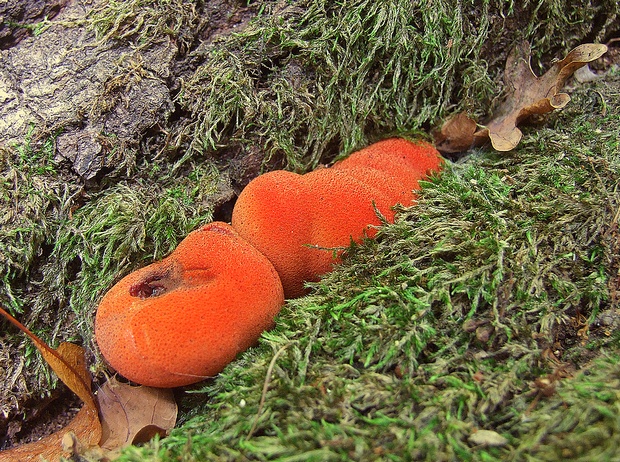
{"x": 479, "y": 309}
{"x": 298, "y": 84}
{"x": 64, "y": 247}
{"x": 309, "y": 79}
{"x": 146, "y": 22}
{"x": 314, "y": 75}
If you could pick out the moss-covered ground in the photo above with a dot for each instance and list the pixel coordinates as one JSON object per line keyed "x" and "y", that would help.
{"x": 492, "y": 304}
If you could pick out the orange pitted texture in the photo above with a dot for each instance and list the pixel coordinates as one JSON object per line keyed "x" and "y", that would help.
{"x": 183, "y": 319}
{"x": 295, "y": 219}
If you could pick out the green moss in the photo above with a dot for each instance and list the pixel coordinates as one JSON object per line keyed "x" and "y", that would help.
{"x": 35, "y": 28}
{"x": 442, "y": 325}
{"x": 308, "y": 79}
{"x": 145, "y": 22}
{"x": 29, "y": 187}
{"x": 315, "y": 74}
{"x": 435, "y": 329}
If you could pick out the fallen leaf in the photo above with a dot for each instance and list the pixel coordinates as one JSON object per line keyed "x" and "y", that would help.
{"x": 84, "y": 426}
{"x": 119, "y": 415}
{"x": 134, "y": 414}
{"x": 528, "y": 94}
{"x": 456, "y": 134}
{"x": 69, "y": 363}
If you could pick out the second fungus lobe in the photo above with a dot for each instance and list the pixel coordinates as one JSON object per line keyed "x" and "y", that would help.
{"x": 295, "y": 220}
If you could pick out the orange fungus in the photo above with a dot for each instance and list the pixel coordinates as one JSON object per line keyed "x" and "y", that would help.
{"x": 299, "y": 222}
{"x": 183, "y": 319}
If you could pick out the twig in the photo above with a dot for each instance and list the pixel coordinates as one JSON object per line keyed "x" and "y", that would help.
{"x": 266, "y": 387}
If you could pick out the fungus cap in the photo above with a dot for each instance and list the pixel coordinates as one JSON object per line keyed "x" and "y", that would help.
{"x": 183, "y": 319}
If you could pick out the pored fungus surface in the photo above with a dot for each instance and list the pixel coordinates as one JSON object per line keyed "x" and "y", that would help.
{"x": 300, "y": 221}
{"x": 183, "y": 319}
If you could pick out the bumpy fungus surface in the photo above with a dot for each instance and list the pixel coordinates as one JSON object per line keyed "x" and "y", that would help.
{"x": 183, "y": 319}
{"x": 295, "y": 219}
{"x": 186, "y": 317}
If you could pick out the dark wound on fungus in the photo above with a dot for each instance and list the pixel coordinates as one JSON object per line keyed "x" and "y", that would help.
{"x": 156, "y": 284}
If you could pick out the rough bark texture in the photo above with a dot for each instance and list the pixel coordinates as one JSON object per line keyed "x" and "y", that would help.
{"x": 63, "y": 80}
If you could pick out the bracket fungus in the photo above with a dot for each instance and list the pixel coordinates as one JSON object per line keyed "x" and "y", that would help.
{"x": 184, "y": 318}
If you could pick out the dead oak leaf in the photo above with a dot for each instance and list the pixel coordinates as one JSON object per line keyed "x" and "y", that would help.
{"x": 69, "y": 363}
{"x": 528, "y": 94}
{"x": 456, "y": 134}
{"x": 85, "y": 427}
{"x": 119, "y": 415}
{"x": 134, "y": 414}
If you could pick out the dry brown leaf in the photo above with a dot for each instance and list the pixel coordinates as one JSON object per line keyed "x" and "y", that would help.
{"x": 456, "y": 134}
{"x": 84, "y": 425}
{"x": 134, "y": 414}
{"x": 69, "y": 363}
{"x": 129, "y": 415}
{"x": 528, "y": 94}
